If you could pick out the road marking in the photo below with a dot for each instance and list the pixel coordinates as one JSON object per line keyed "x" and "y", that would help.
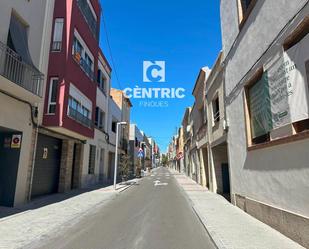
{"x": 161, "y": 184}
{"x": 158, "y": 183}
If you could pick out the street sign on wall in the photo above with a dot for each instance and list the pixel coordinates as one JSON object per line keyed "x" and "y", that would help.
{"x": 16, "y": 141}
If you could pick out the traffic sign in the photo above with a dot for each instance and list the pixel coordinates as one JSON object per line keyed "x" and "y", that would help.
{"x": 140, "y": 153}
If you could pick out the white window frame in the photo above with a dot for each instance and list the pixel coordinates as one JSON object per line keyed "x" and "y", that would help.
{"x": 215, "y": 120}
{"x": 51, "y": 83}
{"x": 85, "y": 50}
{"x": 58, "y": 32}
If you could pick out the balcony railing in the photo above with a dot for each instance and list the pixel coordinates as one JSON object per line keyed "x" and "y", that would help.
{"x": 56, "y": 46}
{"x": 80, "y": 118}
{"x": 87, "y": 13}
{"x": 217, "y": 116}
{"x": 84, "y": 66}
{"x": 87, "y": 69}
{"x": 19, "y": 72}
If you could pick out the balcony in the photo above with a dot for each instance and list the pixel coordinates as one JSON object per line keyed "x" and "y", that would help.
{"x": 84, "y": 66}
{"x": 56, "y": 46}
{"x": 19, "y": 72}
{"x": 87, "y": 13}
{"x": 80, "y": 118}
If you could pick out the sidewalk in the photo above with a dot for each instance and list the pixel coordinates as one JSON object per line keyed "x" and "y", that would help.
{"x": 47, "y": 215}
{"x": 229, "y": 226}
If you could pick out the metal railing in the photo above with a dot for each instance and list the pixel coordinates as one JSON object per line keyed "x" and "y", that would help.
{"x": 87, "y": 69}
{"x": 79, "y": 117}
{"x": 14, "y": 69}
{"x": 87, "y": 13}
{"x": 217, "y": 116}
{"x": 56, "y": 46}
{"x": 84, "y": 66}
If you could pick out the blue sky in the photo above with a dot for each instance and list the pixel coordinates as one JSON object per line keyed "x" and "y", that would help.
{"x": 184, "y": 34}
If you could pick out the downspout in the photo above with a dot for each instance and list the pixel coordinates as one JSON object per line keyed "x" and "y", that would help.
{"x": 33, "y": 155}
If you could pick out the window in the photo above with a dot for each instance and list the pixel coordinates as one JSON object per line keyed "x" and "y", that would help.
{"x": 215, "y": 110}
{"x": 101, "y": 80}
{"x": 136, "y": 142}
{"x": 52, "y": 98}
{"x": 83, "y": 56}
{"x": 114, "y": 123}
{"x": 244, "y": 9}
{"x": 77, "y": 49}
{"x": 297, "y": 35}
{"x": 79, "y": 112}
{"x": 92, "y": 154}
{"x": 88, "y": 60}
{"x": 77, "y": 106}
{"x": 258, "y": 109}
{"x": 89, "y": 15}
{"x": 57, "y": 38}
{"x": 99, "y": 118}
{"x": 97, "y": 113}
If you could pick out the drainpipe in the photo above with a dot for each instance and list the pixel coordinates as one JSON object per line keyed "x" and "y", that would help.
{"x": 33, "y": 155}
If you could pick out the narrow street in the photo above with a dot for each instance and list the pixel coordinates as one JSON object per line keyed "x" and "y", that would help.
{"x": 153, "y": 214}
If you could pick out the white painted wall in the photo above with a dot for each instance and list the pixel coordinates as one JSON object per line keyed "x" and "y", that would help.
{"x": 278, "y": 175}
{"x": 99, "y": 139}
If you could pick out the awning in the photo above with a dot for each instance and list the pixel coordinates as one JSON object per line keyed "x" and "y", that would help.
{"x": 19, "y": 37}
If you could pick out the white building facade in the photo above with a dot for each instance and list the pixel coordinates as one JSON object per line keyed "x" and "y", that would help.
{"x": 97, "y": 150}
{"x": 266, "y": 64}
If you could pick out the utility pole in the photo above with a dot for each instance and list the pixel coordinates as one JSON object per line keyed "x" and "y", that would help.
{"x": 116, "y": 152}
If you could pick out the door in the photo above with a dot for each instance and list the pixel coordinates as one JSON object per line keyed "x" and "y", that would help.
{"x": 225, "y": 178}
{"x": 101, "y": 164}
{"x": 9, "y": 161}
{"x": 47, "y": 166}
{"x": 110, "y": 165}
{"x": 74, "y": 169}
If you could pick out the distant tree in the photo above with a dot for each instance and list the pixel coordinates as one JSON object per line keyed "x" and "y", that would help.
{"x": 124, "y": 164}
{"x": 164, "y": 160}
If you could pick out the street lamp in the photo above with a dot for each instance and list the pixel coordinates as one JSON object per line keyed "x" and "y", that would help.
{"x": 116, "y": 151}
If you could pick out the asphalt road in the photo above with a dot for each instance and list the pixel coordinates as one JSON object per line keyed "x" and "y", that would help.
{"x": 151, "y": 215}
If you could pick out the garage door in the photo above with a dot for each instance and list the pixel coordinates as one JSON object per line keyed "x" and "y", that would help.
{"x": 47, "y": 166}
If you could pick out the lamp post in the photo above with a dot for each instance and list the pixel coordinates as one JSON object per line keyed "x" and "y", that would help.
{"x": 116, "y": 151}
